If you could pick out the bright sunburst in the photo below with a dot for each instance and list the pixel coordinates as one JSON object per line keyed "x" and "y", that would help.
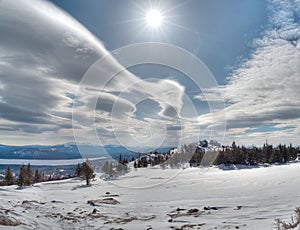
{"x": 154, "y": 18}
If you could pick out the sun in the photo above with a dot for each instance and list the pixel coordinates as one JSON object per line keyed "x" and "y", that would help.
{"x": 154, "y": 18}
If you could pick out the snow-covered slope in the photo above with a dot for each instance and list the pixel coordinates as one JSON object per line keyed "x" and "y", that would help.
{"x": 193, "y": 199}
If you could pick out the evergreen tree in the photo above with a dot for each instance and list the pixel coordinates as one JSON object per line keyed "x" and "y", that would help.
{"x": 9, "y": 178}
{"x": 78, "y": 171}
{"x": 139, "y": 163}
{"x": 87, "y": 171}
{"x": 37, "y": 176}
{"x": 22, "y": 176}
{"x": 285, "y": 157}
{"x": 29, "y": 175}
{"x": 221, "y": 158}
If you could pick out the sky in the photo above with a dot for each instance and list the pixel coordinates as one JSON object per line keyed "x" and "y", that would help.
{"x": 63, "y": 73}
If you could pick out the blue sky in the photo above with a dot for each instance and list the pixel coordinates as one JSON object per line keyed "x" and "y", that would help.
{"x": 251, "y": 48}
{"x": 219, "y": 32}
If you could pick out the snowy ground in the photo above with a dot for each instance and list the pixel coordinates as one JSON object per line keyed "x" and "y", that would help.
{"x": 237, "y": 199}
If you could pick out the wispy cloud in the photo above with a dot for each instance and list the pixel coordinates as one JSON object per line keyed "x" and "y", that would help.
{"x": 265, "y": 88}
{"x": 44, "y": 54}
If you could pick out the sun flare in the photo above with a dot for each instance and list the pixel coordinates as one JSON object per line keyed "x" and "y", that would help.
{"x": 154, "y": 18}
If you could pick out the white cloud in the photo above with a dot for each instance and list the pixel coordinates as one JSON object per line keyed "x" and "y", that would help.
{"x": 264, "y": 89}
{"x": 44, "y": 53}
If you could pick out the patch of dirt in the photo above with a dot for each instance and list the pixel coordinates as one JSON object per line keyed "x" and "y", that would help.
{"x": 179, "y": 212}
{"x": 124, "y": 220}
{"x": 32, "y": 202}
{"x": 9, "y": 221}
{"x": 188, "y": 226}
{"x": 5, "y": 210}
{"x": 54, "y": 215}
{"x": 112, "y": 195}
{"x": 103, "y": 201}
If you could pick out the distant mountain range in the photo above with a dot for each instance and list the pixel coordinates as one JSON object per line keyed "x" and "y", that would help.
{"x": 67, "y": 151}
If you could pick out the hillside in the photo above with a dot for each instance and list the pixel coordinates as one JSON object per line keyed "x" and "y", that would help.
{"x": 250, "y": 198}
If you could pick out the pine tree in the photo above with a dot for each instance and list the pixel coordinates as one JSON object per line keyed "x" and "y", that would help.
{"x": 37, "y": 176}
{"x": 78, "y": 171}
{"x": 29, "y": 175}
{"x": 9, "y": 178}
{"x": 87, "y": 171}
{"x": 22, "y": 176}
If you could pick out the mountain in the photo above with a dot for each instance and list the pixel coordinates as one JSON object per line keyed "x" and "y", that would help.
{"x": 66, "y": 151}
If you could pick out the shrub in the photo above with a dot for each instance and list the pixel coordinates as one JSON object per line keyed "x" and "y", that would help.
{"x": 295, "y": 221}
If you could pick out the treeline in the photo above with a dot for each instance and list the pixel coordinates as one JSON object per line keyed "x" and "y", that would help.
{"x": 251, "y": 156}
{"x": 195, "y": 155}
{"x": 152, "y": 159}
{"x": 28, "y": 177}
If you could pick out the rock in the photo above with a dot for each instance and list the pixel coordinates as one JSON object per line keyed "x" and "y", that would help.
{"x": 91, "y": 203}
{"x": 210, "y": 208}
{"x": 9, "y": 221}
{"x": 94, "y": 211}
{"x": 103, "y": 201}
{"x": 193, "y": 210}
{"x": 32, "y": 202}
{"x": 56, "y": 201}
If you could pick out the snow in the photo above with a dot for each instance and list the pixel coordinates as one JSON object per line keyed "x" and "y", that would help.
{"x": 248, "y": 198}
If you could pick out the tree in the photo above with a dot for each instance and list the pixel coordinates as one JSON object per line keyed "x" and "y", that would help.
{"x": 87, "y": 171}
{"x": 108, "y": 169}
{"x": 135, "y": 165}
{"x": 22, "y": 176}
{"x": 122, "y": 169}
{"x": 29, "y": 175}
{"x": 9, "y": 178}
{"x": 37, "y": 176}
{"x": 78, "y": 171}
